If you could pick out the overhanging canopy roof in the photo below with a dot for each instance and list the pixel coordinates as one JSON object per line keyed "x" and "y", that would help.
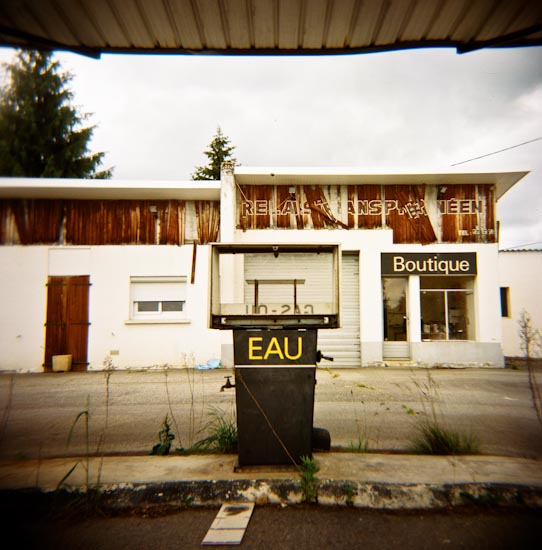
{"x": 290, "y": 27}
{"x": 50, "y": 188}
{"x": 85, "y": 189}
{"x": 244, "y": 175}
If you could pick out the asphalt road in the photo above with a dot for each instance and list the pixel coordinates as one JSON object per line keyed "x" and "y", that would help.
{"x": 380, "y": 406}
{"x": 276, "y": 528}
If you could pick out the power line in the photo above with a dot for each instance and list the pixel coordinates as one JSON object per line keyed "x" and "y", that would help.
{"x": 500, "y": 151}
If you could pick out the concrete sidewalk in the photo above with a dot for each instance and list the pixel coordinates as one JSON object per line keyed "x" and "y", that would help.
{"x": 376, "y": 481}
{"x": 382, "y": 405}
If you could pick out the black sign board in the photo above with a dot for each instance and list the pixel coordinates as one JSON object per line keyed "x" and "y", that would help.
{"x": 443, "y": 263}
{"x": 274, "y": 347}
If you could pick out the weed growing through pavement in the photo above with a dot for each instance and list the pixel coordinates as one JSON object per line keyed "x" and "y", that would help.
{"x": 196, "y": 410}
{"x": 349, "y": 493}
{"x": 308, "y": 480}
{"x": 165, "y": 437}
{"x": 362, "y": 446}
{"x": 364, "y": 425}
{"x": 409, "y": 410}
{"x": 195, "y": 417}
{"x": 109, "y": 367}
{"x": 220, "y": 429}
{"x": 222, "y": 434}
{"x": 166, "y": 368}
{"x": 434, "y": 436}
{"x": 365, "y": 387}
{"x": 434, "y": 439}
{"x": 85, "y": 414}
{"x": 330, "y": 372}
{"x": 91, "y": 494}
{"x": 89, "y": 498}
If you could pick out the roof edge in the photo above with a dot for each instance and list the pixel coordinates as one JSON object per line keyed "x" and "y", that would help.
{"x": 86, "y": 189}
{"x": 343, "y": 175}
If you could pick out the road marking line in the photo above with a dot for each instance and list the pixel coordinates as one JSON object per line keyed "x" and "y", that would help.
{"x": 230, "y": 524}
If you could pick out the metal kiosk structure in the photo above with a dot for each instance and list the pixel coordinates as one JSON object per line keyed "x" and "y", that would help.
{"x": 274, "y": 298}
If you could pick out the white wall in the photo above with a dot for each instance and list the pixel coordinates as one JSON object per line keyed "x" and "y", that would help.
{"x": 24, "y": 271}
{"x": 141, "y": 344}
{"x": 521, "y": 272}
{"x": 23, "y": 294}
{"x": 23, "y": 274}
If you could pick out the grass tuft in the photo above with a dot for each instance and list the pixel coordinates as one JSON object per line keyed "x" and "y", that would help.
{"x": 222, "y": 436}
{"x": 309, "y": 482}
{"x": 434, "y": 439}
{"x": 362, "y": 446}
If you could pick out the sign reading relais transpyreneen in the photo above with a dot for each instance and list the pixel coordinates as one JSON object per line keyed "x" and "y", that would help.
{"x": 429, "y": 263}
{"x": 459, "y": 213}
{"x": 274, "y": 347}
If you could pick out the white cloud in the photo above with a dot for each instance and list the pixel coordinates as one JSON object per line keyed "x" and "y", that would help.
{"x": 424, "y": 109}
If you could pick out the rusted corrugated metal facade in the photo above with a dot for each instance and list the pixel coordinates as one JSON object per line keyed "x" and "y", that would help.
{"x": 468, "y": 214}
{"x": 459, "y": 213}
{"x": 108, "y": 222}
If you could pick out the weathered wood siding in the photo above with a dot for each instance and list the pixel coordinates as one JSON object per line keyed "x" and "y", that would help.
{"x": 208, "y": 221}
{"x": 416, "y": 213}
{"x": 253, "y": 201}
{"x": 108, "y": 222}
{"x": 468, "y": 214}
{"x": 407, "y": 215}
{"x": 361, "y": 211}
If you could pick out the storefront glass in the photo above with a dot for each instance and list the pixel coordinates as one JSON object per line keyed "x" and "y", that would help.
{"x": 446, "y": 308}
{"x": 395, "y": 308}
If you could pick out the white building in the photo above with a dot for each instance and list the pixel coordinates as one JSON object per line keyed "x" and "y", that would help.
{"x": 519, "y": 275}
{"x": 119, "y": 271}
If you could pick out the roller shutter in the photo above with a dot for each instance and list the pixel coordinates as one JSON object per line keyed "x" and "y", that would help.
{"x": 311, "y": 272}
{"x": 343, "y": 344}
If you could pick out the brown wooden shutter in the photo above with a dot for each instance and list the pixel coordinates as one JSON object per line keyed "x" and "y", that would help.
{"x": 67, "y": 320}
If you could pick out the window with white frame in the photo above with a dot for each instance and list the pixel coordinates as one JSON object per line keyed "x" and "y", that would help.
{"x": 160, "y": 298}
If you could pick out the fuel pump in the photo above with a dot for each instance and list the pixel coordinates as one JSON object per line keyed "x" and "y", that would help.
{"x": 274, "y": 309}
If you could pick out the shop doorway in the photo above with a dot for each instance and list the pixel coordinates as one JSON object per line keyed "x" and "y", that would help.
{"x": 396, "y": 341}
{"x": 66, "y": 329}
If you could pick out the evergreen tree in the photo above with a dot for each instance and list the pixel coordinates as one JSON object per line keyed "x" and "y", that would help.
{"x": 219, "y": 151}
{"x": 41, "y": 133}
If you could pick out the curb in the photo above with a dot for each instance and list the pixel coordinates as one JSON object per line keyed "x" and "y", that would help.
{"x": 171, "y": 496}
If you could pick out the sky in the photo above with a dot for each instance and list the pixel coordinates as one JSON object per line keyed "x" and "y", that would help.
{"x": 429, "y": 109}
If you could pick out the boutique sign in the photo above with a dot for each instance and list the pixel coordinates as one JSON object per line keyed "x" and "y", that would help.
{"x": 429, "y": 264}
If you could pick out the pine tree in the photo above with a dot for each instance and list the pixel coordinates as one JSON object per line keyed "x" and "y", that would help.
{"x": 219, "y": 151}
{"x": 41, "y": 133}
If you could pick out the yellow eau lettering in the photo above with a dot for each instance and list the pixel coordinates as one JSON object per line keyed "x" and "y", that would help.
{"x": 299, "y": 348}
{"x": 273, "y": 349}
{"x": 253, "y": 347}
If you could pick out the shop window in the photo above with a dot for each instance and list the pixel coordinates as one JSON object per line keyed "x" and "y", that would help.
{"x": 446, "y": 305}
{"x": 159, "y": 298}
{"x": 505, "y": 301}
